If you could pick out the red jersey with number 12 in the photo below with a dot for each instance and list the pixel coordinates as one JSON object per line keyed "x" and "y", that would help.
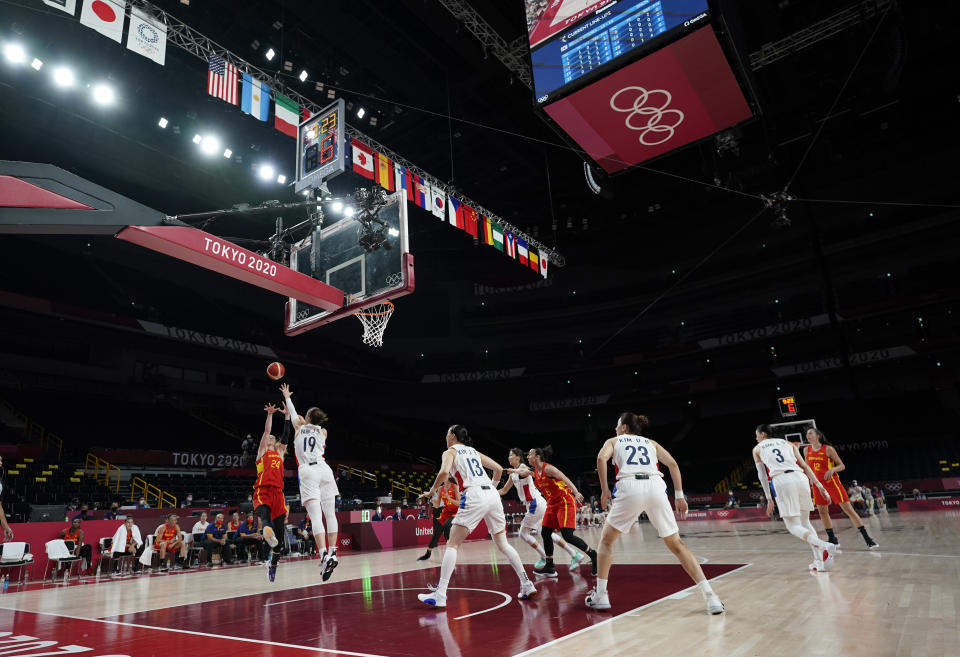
{"x": 269, "y": 470}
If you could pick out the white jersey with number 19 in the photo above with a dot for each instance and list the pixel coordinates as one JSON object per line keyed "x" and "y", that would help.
{"x": 467, "y": 468}
{"x": 635, "y": 455}
{"x": 310, "y": 444}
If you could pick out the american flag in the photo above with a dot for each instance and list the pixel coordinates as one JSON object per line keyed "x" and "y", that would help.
{"x": 222, "y": 80}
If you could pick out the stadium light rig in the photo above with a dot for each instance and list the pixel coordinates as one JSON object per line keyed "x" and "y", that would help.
{"x": 270, "y": 54}
{"x": 36, "y": 64}
{"x": 63, "y": 77}
{"x": 14, "y": 53}
{"x": 162, "y": 122}
{"x": 102, "y": 94}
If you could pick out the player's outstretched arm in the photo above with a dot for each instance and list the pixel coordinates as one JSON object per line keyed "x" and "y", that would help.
{"x": 665, "y": 457}
{"x": 288, "y": 400}
{"x": 554, "y": 471}
{"x": 806, "y": 469}
{"x": 446, "y": 466}
{"x": 503, "y": 490}
{"x": 606, "y": 453}
{"x": 267, "y": 429}
{"x": 490, "y": 464}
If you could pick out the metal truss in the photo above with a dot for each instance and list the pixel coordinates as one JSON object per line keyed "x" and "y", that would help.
{"x": 190, "y": 40}
{"x": 510, "y": 55}
{"x": 828, "y": 27}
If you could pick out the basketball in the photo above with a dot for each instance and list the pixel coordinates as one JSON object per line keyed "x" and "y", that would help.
{"x": 275, "y": 370}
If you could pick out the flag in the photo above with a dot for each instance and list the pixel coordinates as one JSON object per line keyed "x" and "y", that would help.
{"x": 255, "y": 98}
{"x": 497, "y": 236}
{"x": 522, "y": 251}
{"x": 384, "y": 172}
{"x": 534, "y": 261}
{"x": 543, "y": 264}
{"x": 487, "y": 232}
{"x": 411, "y": 181}
{"x": 69, "y": 6}
{"x": 362, "y": 159}
{"x": 399, "y": 176}
{"x": 438, "y": 201}
{"x": 286, "y": 115}
{"x": 222, "y": 80}
{"x": 470, "y": 220}
{"x": 421, "y": 195}
{"x": 455, "y": 211}
{"x": 305, "y": 114}
{"x": 147, "y": 36}
{"x": 511, "y": 243}
{"x": 104, "y": 16}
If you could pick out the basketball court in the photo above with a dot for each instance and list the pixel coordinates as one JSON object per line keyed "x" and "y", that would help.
{"x": 901, "y": 600}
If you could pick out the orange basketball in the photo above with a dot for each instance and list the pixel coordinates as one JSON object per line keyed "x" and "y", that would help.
{"x": 275, "y": 370}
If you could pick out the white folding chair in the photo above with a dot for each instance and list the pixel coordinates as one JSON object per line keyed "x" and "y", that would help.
{"x": 16, "y": 555}
{"x": 59, "y": 554}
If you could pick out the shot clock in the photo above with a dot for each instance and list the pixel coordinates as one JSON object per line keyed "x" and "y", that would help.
{"x": 320, "y": 149}
{"x": 788, "y": 406}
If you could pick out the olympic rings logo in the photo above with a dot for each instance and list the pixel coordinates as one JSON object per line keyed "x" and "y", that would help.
{"x": 895, "y": 485}
{"x": 661, "y": 122}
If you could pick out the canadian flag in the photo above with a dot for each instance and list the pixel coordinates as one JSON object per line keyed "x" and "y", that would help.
{"x": 362, "y": 159}
{"x": 104, "y": 16}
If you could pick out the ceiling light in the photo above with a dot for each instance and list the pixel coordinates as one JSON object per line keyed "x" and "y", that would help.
{"x": 14, "y": 53}
{"x": 337, "y": 206}
{"x": 266, "y": 172}
{"x": 361, "y": 112}
{"x": 197, "y": 139}
{"x": 303, "y": 76}
{"x": 227, "y": 153}
{"x": 331, "y": 94}
{"x": 63, "y": 77}
{"x": 102, "y": 94}
{"x": 210, "y": 145}
{"x": 162, "y": 122}
{"x": 270, "y": 54}
{"x": 348, "y": 211}
{"x": 36, "y": 64}
{"x": 393, "y": 232}
{"x": 281, "y": 179}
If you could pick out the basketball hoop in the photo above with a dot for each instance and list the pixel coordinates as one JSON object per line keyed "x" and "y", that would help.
{"x": 374, "y": 320}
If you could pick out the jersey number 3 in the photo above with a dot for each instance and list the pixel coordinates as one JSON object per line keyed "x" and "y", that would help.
{"x": 644, "y": 455}
{"x": 779, "y": 455}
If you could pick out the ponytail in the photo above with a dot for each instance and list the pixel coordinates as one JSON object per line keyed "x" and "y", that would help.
{"x": 822, "y": 436}
{"x": 462, "y": 435}
{"x": 636, "y": 423}
{"x": 545, "y": 453}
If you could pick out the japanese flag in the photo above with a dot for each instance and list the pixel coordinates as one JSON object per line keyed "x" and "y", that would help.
{"x": 104, "y": 16}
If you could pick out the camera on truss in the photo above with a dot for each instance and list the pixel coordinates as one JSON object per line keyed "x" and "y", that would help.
{"x": 373, "y": 232}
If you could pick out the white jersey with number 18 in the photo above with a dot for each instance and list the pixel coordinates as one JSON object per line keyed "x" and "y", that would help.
{"x": 467, "y": 468}
{"x": 635, "y": 455}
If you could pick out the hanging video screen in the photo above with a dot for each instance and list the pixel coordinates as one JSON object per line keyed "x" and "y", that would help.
{"x": 677, "y": 95}
{"x": 570, "y": 39}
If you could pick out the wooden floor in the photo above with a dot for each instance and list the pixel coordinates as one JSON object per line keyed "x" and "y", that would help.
{"x": 900, "y": 600}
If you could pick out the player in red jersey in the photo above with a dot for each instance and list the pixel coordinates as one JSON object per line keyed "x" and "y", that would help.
{"x": 825, "y": 463}
{"x": 561, "y": 516}
{"x": 448, "y": 499}
{"x": 268, "y": 501}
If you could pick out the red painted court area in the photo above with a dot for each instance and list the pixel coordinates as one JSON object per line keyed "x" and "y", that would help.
{"x": 370, "y": 616}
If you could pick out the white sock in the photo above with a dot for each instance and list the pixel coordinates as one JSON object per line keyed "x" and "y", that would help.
{"x": 532, "y": 542}
{"x": 704, "y": 587}
{"x": 572, "y": 551}
{"x": 601, "y": 586}
{"x": 446, "y": 570}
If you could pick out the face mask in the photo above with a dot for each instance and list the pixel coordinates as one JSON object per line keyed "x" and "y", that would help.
{"x": 379, "y": 510}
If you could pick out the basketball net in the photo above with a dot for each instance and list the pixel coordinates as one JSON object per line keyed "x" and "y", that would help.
{"x": 374, "y": 320}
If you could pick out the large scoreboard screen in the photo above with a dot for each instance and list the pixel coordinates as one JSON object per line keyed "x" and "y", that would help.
{"x": 679, "y": 94}
{"x": 571, "y": 39}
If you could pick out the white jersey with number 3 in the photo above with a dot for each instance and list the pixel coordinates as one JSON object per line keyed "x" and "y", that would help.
{"x": 777, "y": 455}
{"x": 635, "y": 455}
{"x": 467, "y": 468}
{"x": 310, "y": 444}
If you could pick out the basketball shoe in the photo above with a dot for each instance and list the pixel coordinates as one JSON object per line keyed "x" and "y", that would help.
{"x": 596, "y": 600}
{"x": 547, "y": 570}
{"x": 714, "y": 606}
{"x": 575, "y": 561}
{"x": 328, "y": 567}
{"x": 434, "y": 599}
{"x": 527, "y": 590}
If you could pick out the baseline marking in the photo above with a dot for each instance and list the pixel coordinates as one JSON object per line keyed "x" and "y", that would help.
{"x": 505, "y": 602}
{"x": 206, "y": 634}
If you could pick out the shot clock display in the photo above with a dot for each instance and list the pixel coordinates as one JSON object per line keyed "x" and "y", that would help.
{"x": 320, "y": 152}
{"x": 788, "y": 406}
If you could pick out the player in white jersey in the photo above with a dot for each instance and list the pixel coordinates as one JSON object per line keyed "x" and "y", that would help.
{"x": 787, "y": 470}
{"x": 318, "y": 488}
{"x": 536, "y": 506}
{"x": 478, "y": 501}
{"x": 640, "y": 487}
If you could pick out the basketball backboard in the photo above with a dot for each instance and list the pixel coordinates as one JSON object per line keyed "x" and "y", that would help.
{"x": 366, "y": 256}
{"x": 793, "y": 432}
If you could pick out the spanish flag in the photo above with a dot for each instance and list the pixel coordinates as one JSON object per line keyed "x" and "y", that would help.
{"x": 384, "y": 172}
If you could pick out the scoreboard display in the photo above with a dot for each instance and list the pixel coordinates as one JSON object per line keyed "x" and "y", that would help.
{"x": 788, "y": 406}
{"x": 320, "y": 147}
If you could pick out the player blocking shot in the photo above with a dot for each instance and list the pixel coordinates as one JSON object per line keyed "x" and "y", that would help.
{"x": 318, "y": 488}
{"x": 536, "y": 507}
{"x": 268, "y": 501}
{"x": 787, "y": 470}
{"x": 640, "y": 488}
{"x": 479, "y": 500}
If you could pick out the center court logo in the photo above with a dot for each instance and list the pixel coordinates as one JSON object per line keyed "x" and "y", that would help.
{"x": 648, "y": 113}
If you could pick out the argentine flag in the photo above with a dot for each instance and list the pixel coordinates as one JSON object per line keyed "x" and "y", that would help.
{"x": 255, "y": 99}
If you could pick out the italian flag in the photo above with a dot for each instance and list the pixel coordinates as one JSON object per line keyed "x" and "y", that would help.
{"x": 287, "y": 115}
